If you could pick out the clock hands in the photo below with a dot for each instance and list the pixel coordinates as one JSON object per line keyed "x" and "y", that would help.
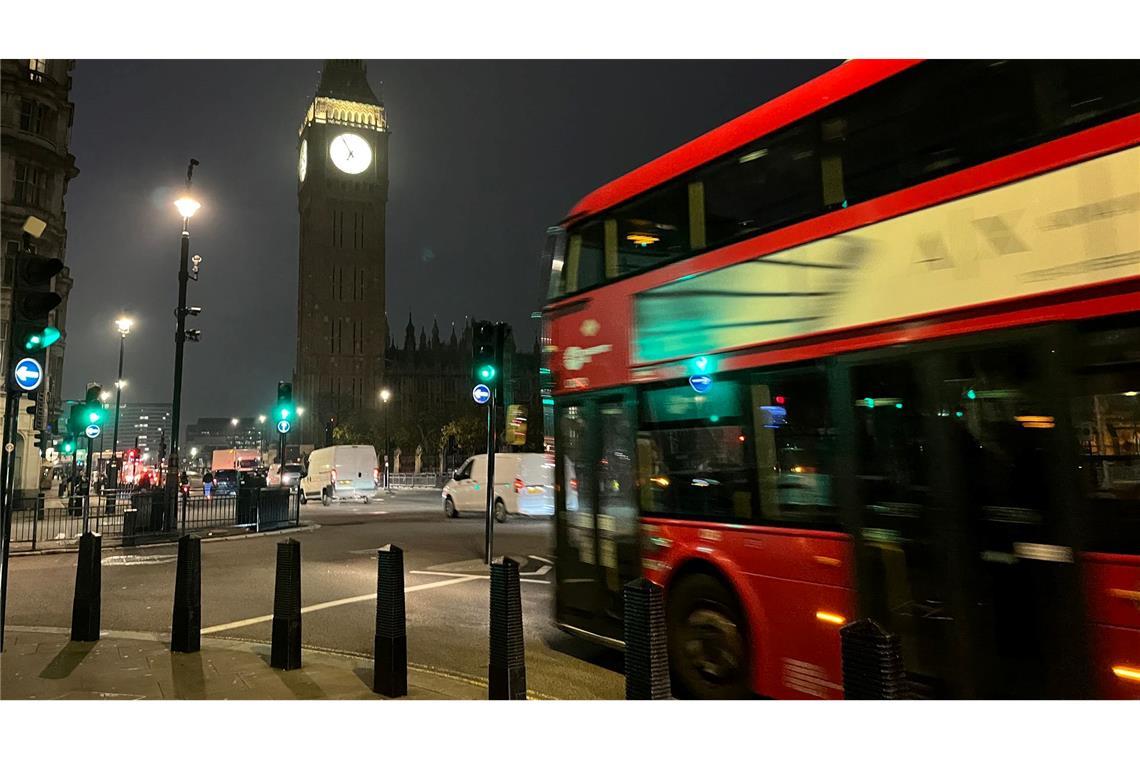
{"x": 347, "y": 147}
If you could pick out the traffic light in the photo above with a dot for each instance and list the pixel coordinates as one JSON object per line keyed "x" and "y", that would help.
{"x": 285, "y": 410}
{"x": 487, "y": 352}
{"x": 32, "y": 301}
{"x": 67, "y": 445}
{"x": 93, "y": 412}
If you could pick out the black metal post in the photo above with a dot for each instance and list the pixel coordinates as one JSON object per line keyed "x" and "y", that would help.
{"x": 390, "y": 646}
{"x": 506, "y": 669}
{"x": 172, "y": 463}
{"x": 118, "y": 407}
{"x": 646, "y": 650}
{"x": 872, "y": 662}
{"x": 186, "y": 630}
{"x": 281, "y": 455}
{"x": 87, "y": 488}
{"x": 7, "y": 462}
{"x": 286, "y": 647}
{"x": 492, "y": 444}
{"x": 88, "y": 589}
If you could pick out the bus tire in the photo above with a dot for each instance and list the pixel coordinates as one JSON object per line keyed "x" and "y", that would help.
{"x": 708, "y": 640}
{"x": 449, "y": 508}
{"x": 500, "y": 511}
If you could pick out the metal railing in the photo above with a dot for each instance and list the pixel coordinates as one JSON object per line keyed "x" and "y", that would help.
{"x": 42, "y": 521}
{"x": 409, "y": 480}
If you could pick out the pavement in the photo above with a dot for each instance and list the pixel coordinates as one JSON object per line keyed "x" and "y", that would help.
{"x": 446, "y": 587}
{"x": 46, "y": 664}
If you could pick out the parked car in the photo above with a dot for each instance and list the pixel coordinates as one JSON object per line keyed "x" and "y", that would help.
{"x": 287, "y": 476}
{"x": 524, "y": 485}
{"x": 341, "y": 473}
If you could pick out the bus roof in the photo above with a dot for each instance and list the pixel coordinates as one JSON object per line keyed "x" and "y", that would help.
{"x": 836, "y": 84}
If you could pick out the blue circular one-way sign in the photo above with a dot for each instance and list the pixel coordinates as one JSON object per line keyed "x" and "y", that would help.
{"x": 481, "y": 393}
{"x": 283, "y": 427}
{"x": 700, "y": 383}
{"x": 93, "y": 431}
{"x": 28, "y": 374}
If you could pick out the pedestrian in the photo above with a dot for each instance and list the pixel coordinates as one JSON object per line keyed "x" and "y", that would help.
{"x": 208, "y": 482}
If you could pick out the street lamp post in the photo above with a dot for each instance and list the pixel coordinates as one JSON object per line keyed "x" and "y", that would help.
{"x": 124, "y": 326}
{"x": 385, "y": 396}
{"x": 186, "y": 207}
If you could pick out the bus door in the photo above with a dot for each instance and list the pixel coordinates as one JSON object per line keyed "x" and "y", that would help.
{"x": 960, "y": 487}
{"x": 1001, "y": 404}
{"x": 596, "y": 519}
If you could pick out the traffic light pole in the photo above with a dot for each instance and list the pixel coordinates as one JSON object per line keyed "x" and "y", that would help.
{"x": 492, "y": 444}
{"x": 87, "y": 489}
{"x": 281, "y": 454}
{"x": 7, "y": 460}
{"x": 118, "y": 407}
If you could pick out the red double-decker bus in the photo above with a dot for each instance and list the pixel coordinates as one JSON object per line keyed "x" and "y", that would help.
{"x": 870, "y": 350}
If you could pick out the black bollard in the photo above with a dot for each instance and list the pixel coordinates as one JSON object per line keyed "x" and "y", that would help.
{"x": 390, "y": 650}
{"x": 186, "y": 630}
{"x": 286, "y": 648}
{"x": 130, "y": 526}
{"x": 88, "y": 589}
{"x": 506, "y": 671}
{"x": 872, "y": 662}
{"x": 646, "y": 648}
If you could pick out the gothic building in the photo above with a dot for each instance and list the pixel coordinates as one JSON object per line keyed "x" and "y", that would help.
{"x": 342, "y": 195}
{"x": 37, "y": 167}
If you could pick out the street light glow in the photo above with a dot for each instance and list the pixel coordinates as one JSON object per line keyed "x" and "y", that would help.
{"x": 105, "y": 396}
{"x": 124, "y": 324}
{"x": 120, "y": 383}
{"x": 234, "y": 421}
{"x": 261, "y": 418}
{"x": 385, "y": 395}
{"x": 300, "y": 410}
{"x": 187, "y": 207}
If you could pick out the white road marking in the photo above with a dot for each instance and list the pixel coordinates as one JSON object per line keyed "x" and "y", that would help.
{"x": 541, "y": 559}
{"x": 334, "y": 603}
{"x": 472, "y": 577}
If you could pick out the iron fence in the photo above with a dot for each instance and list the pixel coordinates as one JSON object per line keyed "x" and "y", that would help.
{"x": 44, "y": 521}
{"x": 423, "y": 480}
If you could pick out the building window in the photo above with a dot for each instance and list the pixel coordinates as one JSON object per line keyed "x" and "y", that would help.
{"x": 37, "y": 68}
{"x": 34, "y": 116}
{"x": 30, "y": 187}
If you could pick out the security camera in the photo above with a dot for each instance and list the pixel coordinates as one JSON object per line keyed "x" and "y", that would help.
{"x": 193, "y": 311}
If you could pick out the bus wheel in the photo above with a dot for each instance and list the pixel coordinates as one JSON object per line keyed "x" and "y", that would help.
{"x": 500, "y": 511}
{"x": 449, "y": 508}
{"x": 708, "y": 645}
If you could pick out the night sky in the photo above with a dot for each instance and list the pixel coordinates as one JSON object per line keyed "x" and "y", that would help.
{"x": 484, "y": 156}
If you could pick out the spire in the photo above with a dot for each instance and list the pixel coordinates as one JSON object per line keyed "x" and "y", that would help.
{"x": 435, "y": 344}
{"x": 423, "y": 340}
{"x": 453, "y": 342}
{"x": 345, "y": 79}
{"x": 409, "y": 335}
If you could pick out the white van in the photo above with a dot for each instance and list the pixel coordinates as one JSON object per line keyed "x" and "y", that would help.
{"x": 524, "y": 485}
{"x": 341, "y": 472}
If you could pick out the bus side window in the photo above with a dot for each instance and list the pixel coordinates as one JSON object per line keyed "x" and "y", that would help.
{"x": 793, "y": 441}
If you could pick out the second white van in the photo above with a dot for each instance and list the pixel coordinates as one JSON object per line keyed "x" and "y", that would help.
{"x": 341, "y": 473}
{"x": 524, "y": 485}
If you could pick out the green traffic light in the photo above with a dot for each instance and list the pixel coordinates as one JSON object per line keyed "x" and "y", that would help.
{"x": 36, "y": 341}
{"x": 487, "y": 373}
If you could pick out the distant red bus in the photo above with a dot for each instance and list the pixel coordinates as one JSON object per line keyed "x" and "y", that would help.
{"x": 869, "y": 350}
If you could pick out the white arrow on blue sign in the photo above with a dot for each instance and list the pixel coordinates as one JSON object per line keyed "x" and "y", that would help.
{"x": 283, "y": 427}
{"x": 700, "y": 383}
{"x": 28, "y": 373}
{"x": 481, "y": 393}
{"x": 93, "y": 431}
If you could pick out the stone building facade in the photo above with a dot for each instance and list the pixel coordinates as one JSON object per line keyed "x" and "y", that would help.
{"x": 36, "y": 167}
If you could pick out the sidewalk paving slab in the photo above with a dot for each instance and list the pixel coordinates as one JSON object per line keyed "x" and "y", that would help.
{"x": 44, "y": 664}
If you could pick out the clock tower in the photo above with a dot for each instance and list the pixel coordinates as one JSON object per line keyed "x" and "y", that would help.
{"x": 342, "y": 194}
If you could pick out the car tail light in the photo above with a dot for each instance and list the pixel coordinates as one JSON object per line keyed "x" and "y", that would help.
{"x": 574, "y": 484}
{"x": 519, "y": 485}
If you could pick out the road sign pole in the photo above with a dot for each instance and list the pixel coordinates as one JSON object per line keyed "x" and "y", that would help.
{"x": 489, "y": 537}
{"x": 281, "y": 454}
{"x": 87, "y": 488}
{"x": 7, "y": 460}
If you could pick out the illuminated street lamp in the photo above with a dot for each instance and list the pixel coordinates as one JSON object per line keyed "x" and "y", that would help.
{"x": 123, "y": 324}
{"x": 385, "y": 396}
{"x": 187, "y": 206}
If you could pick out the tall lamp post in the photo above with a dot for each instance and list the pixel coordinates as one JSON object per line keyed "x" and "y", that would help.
{"x": 385, "y": 396}
{"x": 187, "y": 207}
{"x": 124, "y": 325}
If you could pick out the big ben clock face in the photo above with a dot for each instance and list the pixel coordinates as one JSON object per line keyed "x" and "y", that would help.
{"x": 350, "y": 153}
{"x": 303, "y": 161}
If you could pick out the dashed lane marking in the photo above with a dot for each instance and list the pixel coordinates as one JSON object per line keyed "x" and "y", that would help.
{"x": 334, "y": 603}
